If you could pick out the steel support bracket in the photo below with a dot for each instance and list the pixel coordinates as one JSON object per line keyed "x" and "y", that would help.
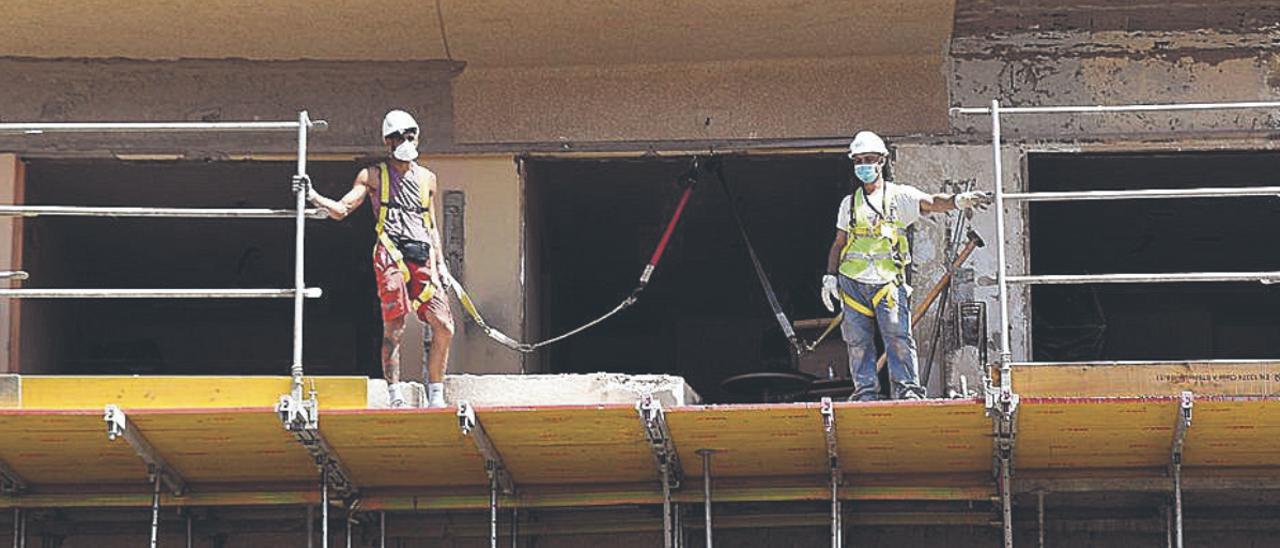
{"x": 654, "y": 421}
{"x": 1185, "y": 403}
{"x": 837, "y": 476}
{"x": 118, "y": 426}
{"x": 494, "y": 466}
{"x": 10, "y": 482}
{"x": 301, "y": 417}
{"x": 1002, "y": 406}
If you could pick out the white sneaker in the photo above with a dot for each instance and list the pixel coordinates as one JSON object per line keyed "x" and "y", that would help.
{"x": 436, "y": 401}
{"x": 397, "y": 400}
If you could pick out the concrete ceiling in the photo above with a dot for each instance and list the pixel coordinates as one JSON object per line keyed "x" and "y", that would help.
{"x": 480, "y": 32}
{"x": 982, "y": 17}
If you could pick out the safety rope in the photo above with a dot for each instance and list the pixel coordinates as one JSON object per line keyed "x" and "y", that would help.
{"x": 688, "y": 180}
{"x": 769, "y": 293}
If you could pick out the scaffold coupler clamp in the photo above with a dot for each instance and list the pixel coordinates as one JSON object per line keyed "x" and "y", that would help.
{"x": 654, "y": 421}
{"x": 298, "y": 414}
{"x": 1002, "y": 406}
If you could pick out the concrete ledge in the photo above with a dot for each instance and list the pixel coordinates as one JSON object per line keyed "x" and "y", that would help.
{"x": 584, "y": 389}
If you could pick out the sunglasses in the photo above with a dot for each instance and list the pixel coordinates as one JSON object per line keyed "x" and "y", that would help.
{"x": 403, "y": 136}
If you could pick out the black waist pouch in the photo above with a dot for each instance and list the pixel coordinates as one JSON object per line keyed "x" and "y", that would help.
{"x": 417, "y": 252}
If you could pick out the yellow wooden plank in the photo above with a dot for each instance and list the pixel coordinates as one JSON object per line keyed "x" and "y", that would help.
{"x": 226, "y": 446}
{"x": 1142, "y": 379}
{"x": 66, "y": 449}
{"x": 404, "y": 448}
{"x": 757, "y": 440}
{"x": 571, "y": 444}
{"x": 913, "y": 437}
{"x": 1233, "y": 433}
{"x": 160, "y": 392}
{"x": 1094, "y": 433}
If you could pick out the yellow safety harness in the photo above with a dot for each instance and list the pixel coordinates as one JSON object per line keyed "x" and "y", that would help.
{"x": 384, "y": 196}
{"x": 880, "y": 245}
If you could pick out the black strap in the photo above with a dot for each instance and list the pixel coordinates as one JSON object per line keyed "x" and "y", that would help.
{"x": 769, "y": 294}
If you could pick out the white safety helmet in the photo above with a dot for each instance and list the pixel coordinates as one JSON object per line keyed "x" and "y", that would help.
{"x": 397, "y": 121}
{"x": 866, "y": 142}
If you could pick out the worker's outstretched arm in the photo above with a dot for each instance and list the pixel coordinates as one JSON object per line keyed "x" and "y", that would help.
{"x": 833, "y": 256}
{"x": 339, "y": 209}
{"x": 948, "y": 202}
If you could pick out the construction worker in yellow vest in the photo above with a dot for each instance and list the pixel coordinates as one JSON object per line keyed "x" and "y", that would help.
{"x": 407, "y": 259}
{"x": 866, "y": 268}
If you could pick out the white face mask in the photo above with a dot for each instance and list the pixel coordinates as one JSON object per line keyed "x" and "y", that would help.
{"x": 406, "y": 152}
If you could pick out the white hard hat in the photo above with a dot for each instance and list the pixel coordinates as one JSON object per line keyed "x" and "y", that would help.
{"x": 867, "y": 142}
{"x": 397, "y": 121}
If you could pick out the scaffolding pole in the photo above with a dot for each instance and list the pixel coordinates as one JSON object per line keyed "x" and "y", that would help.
{"x": 1001, "y": 271}
{"x": 158, "y": 127}
{"x": 155, "y": 508}
{"x": 827, "y": 411}
{"x": 1172, "y": 277}
{"x": 382, "y": 529}
{"x": 154, "y": 212}
{"x": 1186, "y": 401}
{"x": 324, "y": 509}
{"x": 1096, "y": 109}
{"x": 299, "y": 250}
{"x": 706, "y": 493}
{"x": 24, "y": 293}
{"x": 1040, "y": 517}
{"x": 1002, "y": 406}
{"x": 14, "y": 275}
{"x": 1143, "y": 194}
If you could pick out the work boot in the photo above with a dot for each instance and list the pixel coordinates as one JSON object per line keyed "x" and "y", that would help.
{"x": 864, "y": 398}
{"x": 911, "y": 395}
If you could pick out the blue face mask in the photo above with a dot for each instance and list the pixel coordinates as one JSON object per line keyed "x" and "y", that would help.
{"x": 867, "y": 173}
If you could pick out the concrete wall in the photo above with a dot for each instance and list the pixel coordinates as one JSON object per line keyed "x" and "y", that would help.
{"x": 10, "y": 258}
{"x": 751, "y": 99}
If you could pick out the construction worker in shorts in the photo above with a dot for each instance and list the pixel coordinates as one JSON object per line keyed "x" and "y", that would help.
{"x": 407, "y": 259}
{"x": 866, "y": 268}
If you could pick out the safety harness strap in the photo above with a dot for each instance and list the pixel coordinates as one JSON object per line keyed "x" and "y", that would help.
{"x": 885, "y": 292}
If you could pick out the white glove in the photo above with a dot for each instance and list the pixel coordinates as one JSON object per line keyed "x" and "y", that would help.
{"x": 972, "y": 200}
{"x": 830, "y": 292}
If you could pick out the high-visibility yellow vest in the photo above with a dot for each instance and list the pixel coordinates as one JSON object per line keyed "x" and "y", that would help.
{"x": 881, "y": 244}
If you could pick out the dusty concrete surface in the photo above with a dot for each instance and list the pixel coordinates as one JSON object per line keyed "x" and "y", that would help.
{"x": 509, "y": 390}
{"x": 10, "y": 390}
{"x": 587, "y": 389}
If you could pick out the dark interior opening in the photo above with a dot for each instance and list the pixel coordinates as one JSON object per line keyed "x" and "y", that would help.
{"x": 209, "y": 336}
{"x": 704, "y": 315}
{"x": 1155, "y": 321}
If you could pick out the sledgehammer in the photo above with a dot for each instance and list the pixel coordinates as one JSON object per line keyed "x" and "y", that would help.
{"x": 975, "y": 241}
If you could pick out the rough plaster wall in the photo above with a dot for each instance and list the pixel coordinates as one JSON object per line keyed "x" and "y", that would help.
{"x": 757, "y": 99}
{"x": 491, "y": 267}
{"x": 1074, "y": 68}
{"x": 351, "y": 96}
{"x": 927, "y": 166}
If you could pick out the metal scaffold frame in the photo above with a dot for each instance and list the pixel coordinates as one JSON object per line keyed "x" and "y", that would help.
{"x": 1001, "y": 402}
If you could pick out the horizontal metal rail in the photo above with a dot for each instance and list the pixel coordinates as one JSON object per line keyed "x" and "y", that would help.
{"x": 171, "y": 212}
{"x": 27, "y": 293}
{"x": 155, "y": 127}
{"x": 1173, "y": 277}
{"x": 1094, "y": 109}
{"x": 1146, "y": 193}
{"x": 14, "y": 275}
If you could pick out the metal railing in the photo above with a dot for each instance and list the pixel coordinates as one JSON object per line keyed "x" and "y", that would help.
{"x": 300, "y": 213}
{"x": 995, "y": 111}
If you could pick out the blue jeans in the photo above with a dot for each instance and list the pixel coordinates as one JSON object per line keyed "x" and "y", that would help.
{"x": 858, "y": 330}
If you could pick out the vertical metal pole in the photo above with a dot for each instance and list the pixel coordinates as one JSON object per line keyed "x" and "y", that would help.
{"x": 1006, "y": 499}
{"x": 155, "y": 508}
{"x": 668, "y": 531}
{"x": 349, "y": 528}
{"x": 324, "y": 509}
{"x": 1177, "y": 504}
{"x": 311, "y": 526}
{"x": 382, "y": 530}
{"x": 836, "y": 534}
{"x": 678, "y": 524}
{"x": 17, "y": 525}
{"x": 1003, "y": 287}
{"x": 191, "y": 540}
{"x": 706, "y": 492}
{"x": 1168, "y": 526}
{"x": 493, "y": 506}
{"x": 299, "y": 248}
{"x": 22, "y": 535}
{"x": 1040, "y": 515}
